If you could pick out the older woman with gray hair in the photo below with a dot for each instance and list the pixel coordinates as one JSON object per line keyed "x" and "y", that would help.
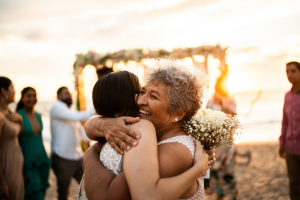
{"x": 172, "y": 94}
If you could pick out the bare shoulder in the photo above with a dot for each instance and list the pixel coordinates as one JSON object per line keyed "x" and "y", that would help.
{"x": 174, "y": 159}
{"x": 142, "y": 126}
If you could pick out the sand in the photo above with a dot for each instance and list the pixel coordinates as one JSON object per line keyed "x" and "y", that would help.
{"x": 264, "y": 178}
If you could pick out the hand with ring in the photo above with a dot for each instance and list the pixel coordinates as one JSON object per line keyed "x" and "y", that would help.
{"x": 211, "y": 158}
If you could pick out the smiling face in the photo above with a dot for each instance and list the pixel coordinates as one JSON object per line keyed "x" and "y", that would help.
{"x": 29, "y": 99}
{"x": 153, "y": 105}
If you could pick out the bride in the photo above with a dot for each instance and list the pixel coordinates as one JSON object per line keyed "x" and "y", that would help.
{"x": 159, "y": 103}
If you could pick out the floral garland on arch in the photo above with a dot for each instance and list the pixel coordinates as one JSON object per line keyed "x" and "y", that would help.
{"x": 109, "y": 59}
{"x": 139, "y": 54}
{"x": 99, "y": 61}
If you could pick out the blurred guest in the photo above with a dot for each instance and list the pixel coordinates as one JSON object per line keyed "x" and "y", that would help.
{"x": 11, "y": 158}
{"x": 65, "y": 130}
{"x": 36, "y": 162}
{"x": 290, "y": 132}
{"x": 223, "y": 181}
{"x": 222, "y": 103}
{"x": 103, "y": 71}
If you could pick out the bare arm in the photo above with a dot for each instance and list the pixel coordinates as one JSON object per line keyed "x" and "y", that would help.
{"x": 64, "y": 113}
{"x": 3, "y": 186}
{"x": 282, "y": 150}
{"x": 141, "y": 169}
{"x": 114, "y": 130}
{"x": 107, "y": 185}
{"x": 170, "y": 164}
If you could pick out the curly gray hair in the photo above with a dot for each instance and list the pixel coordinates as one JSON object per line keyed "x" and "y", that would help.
{"x": 184, "y": 85}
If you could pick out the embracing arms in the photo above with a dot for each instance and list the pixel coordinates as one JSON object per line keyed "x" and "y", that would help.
{"x": 108, "y": 185}
{"x": 114, "y": 130}
{"x": 94, "y": 171}
{"x": 101, "y": 184}
{"x": 141, "y": 168}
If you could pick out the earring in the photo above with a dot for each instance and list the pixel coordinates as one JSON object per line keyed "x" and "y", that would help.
{"x": 176, "y": 119}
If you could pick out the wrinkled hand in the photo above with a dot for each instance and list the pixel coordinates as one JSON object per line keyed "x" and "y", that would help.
{"x": 201, "y": 159}
{"x": 4, "y": 191}
{"x": 282, "y": 152}
{"x": 93, "y": 151}
{"x": 14, "y": 117}
{"x": 119, "y": 135}
{"x": 211, "y": 158}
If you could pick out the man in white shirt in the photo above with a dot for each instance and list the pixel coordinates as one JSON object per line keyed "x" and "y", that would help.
{"x": 66, "y": 130}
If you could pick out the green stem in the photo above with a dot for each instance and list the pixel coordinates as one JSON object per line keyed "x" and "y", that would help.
{"x": 206, "y": 184}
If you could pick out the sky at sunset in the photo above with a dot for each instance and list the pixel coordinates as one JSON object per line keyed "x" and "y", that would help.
{"x": 39, "y": 39}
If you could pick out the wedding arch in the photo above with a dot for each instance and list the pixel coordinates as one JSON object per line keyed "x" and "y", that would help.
{"x": 108, "y": 60}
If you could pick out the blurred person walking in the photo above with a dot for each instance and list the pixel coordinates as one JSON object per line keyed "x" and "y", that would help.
{"x": 222, "y": 180}
{"x": 36, "y": 162}
{"x": 11, "y": 157}
{"x": 290, "y": 131}
{"x": 66, "y": 130}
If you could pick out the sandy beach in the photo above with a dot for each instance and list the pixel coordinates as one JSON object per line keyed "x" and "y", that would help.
{"x": 264, "y": 178}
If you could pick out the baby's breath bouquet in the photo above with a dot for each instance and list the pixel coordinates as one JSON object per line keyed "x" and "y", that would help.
{"x": 212, "y": 129}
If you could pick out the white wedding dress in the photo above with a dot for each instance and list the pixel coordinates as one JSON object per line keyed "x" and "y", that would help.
{"x": 112, "y": 161}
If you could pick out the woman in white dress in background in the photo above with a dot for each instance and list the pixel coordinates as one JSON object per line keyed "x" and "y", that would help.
{"x": 171, "y": 95}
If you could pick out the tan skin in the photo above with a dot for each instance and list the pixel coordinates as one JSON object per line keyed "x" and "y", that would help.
{"x": 293, "y": 75}
{"x": 172, "y": 157}
{"x": 30, "y": 99}
{"x": 141, "y": 168}
{"x": 7, "y": 97}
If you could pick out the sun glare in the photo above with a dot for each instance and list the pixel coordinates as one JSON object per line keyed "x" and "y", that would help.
{"x": 90, "y": 78}
{"x": 133, "y": 67}
{"x": 214, "y": 73}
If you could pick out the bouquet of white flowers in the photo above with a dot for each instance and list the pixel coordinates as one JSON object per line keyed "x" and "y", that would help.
{"x": 212, "y": 129}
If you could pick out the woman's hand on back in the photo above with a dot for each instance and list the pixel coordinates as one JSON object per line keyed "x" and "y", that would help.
{"x": 114, "y": 130}
{"x": 201, "y": 159}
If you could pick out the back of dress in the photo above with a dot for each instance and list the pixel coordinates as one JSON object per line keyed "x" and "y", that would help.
{"x": 111, "y": 160}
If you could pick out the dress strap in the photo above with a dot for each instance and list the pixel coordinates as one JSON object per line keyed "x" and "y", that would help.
{"x": 186, "y": 140}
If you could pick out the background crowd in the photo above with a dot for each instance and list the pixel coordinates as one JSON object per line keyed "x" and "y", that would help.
{"x": 24, "y": 162}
